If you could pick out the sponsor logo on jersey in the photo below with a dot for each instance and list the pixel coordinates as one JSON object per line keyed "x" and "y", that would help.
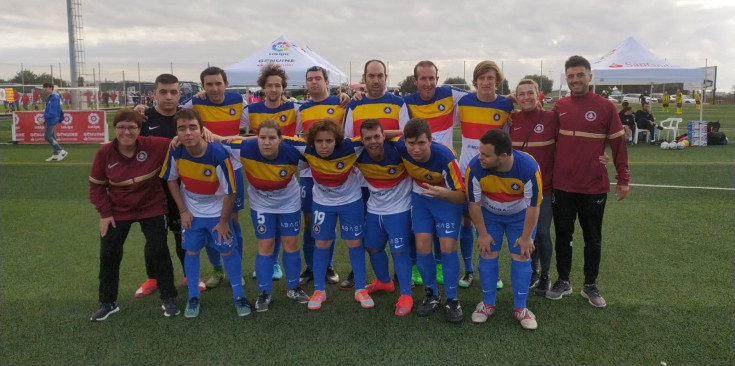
{"x": 538, "y": 128}
{"x": 282, "y": 173}
{"x": 282, "y": 118}
{"x": 391, "y": 171}
{"x": 515, "y": 186}
{"x": 496, "y": 117}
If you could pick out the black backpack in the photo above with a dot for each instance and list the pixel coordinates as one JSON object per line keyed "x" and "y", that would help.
{"x": 716, "y": 138}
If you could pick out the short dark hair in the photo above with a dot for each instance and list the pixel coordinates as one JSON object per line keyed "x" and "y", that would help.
{"x": 318, "y": 68}
{"x": 166, "y": 79}
{"x": 499, "y": 139}
{"x": 187, "y": 113}
{"x": 325, "y": 125}
{"x": 48, "y": 85}
{"x": 424, "y": 63}
{"x": 127, "y": 114}
{"x": 415, "y": 127}
{"x": 270, "y": 123}
{"x": 575, "y": 61}
{"x": 364, "y": 72}
{"x": 213, "y": 70}
{"x": 272, "y": 69}
{"x": 370, "y": 124}
{"x": 484, "y": 67}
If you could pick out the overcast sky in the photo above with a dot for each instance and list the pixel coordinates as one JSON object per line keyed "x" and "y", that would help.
{"x": 523, "y": 36}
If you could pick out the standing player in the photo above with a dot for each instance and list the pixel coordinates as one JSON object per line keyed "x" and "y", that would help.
{"x": 580, "y": 185}
{"x": 321, "y": 106}
{"x": 388, "y": 213}
{"x": 274, "y": 198}
{"x": 437, "y": 105}
{"x": 222, "y": 114}
{"x": 679, "y": 101}
{"x": 124, "y": 189}
{"x": 205, "y": 200}
{"x": 479, "y": 112}
{"x": 160, "y": 122}
{"x": 665, "y": 99}
{"x": 504, "y": 190}
{"x": 436, "y": 207}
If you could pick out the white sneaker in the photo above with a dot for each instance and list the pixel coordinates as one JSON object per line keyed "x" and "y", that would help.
{"x": 53, "y": 157}
{"x": 62, "y": 155}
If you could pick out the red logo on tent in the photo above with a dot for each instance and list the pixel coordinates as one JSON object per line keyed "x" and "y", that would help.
{"x": 615, "y": 66}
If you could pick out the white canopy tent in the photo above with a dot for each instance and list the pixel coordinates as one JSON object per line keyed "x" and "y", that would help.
{"x": 631, "y": 63}
{"x": 292, "y": 58}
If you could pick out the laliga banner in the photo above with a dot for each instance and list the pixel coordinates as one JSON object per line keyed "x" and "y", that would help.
{"x": 77, "y": 127}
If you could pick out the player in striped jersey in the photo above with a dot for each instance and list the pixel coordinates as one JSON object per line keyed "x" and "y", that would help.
{"x": 504, "y": 192}
{"x": 436, "y": 205}
{"x": 274, "y": 207}
{"x": 221, "y": 113}
{"x": 205, "y": 200}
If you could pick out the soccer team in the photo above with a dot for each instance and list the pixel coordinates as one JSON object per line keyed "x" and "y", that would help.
{"x": 383, "y": 168}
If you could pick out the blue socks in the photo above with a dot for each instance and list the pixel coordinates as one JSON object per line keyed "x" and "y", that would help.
{"x": 233, "y": 266}
{"x": 437, "y": 250}
{"x": 264, "y": 272}
{"x": 379, "y": 261}
{"x": 402, "y": 266}
{"x": 292, "y": 268}
{"x": 277, "y": 249}
{"x": 321, "y": 257}
{"x": 466, "y": 244}
{"x": 237, "y": 230}
{"x": 357, "y": 260}
{"x": 427, "y": 268}
{"x": 214, "y": 257}
{"x": 450, "y": 267}
{"x": 488, "y": 269}
{"x": 520, "y": 277}
{"x": 192, "y": 266}
{"x": 308, "y": 249}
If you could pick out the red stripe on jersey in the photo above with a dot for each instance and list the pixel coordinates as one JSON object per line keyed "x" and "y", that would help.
{"x": 330, "y": 179}
{"x": 223, "y": 128}
{"x": 199, "y": 186}
{"x": 476, "y": 130}
{"x": 504, "y": 197}
{"x": 264, "y": 184}
{"x": 387, "y": 123}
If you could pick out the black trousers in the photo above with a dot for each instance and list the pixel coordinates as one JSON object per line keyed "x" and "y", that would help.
{"x": 590, "y": 208}
{"x": 111, "y": 253}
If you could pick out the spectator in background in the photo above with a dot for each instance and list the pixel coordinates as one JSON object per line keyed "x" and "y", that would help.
{"x": 36, "y": 99}
{"x": 113, "y": 97}
{"x": 679, "y": 101}
{"x": 52, "y": 115}
{"x": 665, "y": 99}
{"x": 645, "y": 121}
{"x": 628, "y": 120}
{"x": 67, "y": 99}
{"x": 25, "y": 100}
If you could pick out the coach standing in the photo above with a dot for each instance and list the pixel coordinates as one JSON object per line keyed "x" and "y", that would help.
{"x": 581, "y": 184}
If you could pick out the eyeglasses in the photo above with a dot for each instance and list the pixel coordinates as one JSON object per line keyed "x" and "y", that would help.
{"x": 126, "y": 128}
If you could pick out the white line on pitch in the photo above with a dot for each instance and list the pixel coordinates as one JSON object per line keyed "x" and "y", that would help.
{"x": 681, "y": 187}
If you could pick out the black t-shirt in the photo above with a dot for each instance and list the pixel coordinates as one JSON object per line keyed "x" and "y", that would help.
{"x": 158, "y": 125}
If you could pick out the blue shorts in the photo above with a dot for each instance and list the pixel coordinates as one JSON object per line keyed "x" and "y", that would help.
{"x": 351, "y": 221}
{"x": 307, "y": 185}
{"x": 435, "y": 215}
{"x": 240, "y": 191}
{"x": 394, "y": 228}
{"x": 201, "y": 235}
{"x": 268, "y": 225}
{"x": 510, "y": 225}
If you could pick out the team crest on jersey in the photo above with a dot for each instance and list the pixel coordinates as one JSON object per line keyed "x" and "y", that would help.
{"x": 232, "y": 111}
{"x": 207, "y": 172}
{"x": 142, "y": 156}
{"x": 515, "y": 186}
{"x": 428, "y": 177}
{"x": 538, "y": 128}
{"x": 316, "y": 229}
{"x": 340, "y": 165}
{"x": 590, "y": 116}
{"x": 391, "y": 170}
{"x": 282, "y": 118}
{"x": 387, "y": 110}
{"x": 262, "y": 229}
{"x": 441, "y": 107}
{"x": 330, "y": 110}
{"x": 282, "y": 173}
{"x": 496, "y": 117}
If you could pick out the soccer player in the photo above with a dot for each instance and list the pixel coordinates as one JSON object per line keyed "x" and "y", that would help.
{"x": 205, "y": 200}
{"x": 387, "y": 108}
{"x": 436, "y": 201}
{"x": 275, "y": 203}
{"x": 52, "y": 115}
{"x": 665, "y": 99}
{"x": 160, "y": 122}
{"x": 336, "y": 194}
{"x": 388, "y": 213}
{"x": 504, "y": 191}
{"x": 321, "y": 106}
{"x": 437, "y": 105}
{"x": 679, "y": 101}
{"x": 124, "y": 189}
{"x": 222, "y": 113}
{"x": 580, "y": 185}
{"x": 698, "y": 100}
{"x": 478, "y": 112}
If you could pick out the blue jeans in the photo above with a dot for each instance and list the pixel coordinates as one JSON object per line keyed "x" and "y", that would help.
{"x": 50, "y": 136}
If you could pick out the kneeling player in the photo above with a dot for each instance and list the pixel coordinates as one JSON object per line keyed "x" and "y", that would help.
{"x": 504, "y": 190}
{"x": 205, "y": 200}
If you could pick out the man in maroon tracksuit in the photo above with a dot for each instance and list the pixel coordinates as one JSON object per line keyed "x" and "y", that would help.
{"x": 580, "y": 183}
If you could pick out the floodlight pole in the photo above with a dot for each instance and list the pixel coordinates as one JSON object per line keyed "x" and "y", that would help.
{"x": 72, "y": 45}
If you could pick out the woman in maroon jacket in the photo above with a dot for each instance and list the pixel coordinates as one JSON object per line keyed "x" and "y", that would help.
{"x": 124, "y": 188}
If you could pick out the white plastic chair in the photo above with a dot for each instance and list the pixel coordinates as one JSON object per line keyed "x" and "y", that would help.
{"x": 670, "y": 125}
{"x": 638, "y": 131}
